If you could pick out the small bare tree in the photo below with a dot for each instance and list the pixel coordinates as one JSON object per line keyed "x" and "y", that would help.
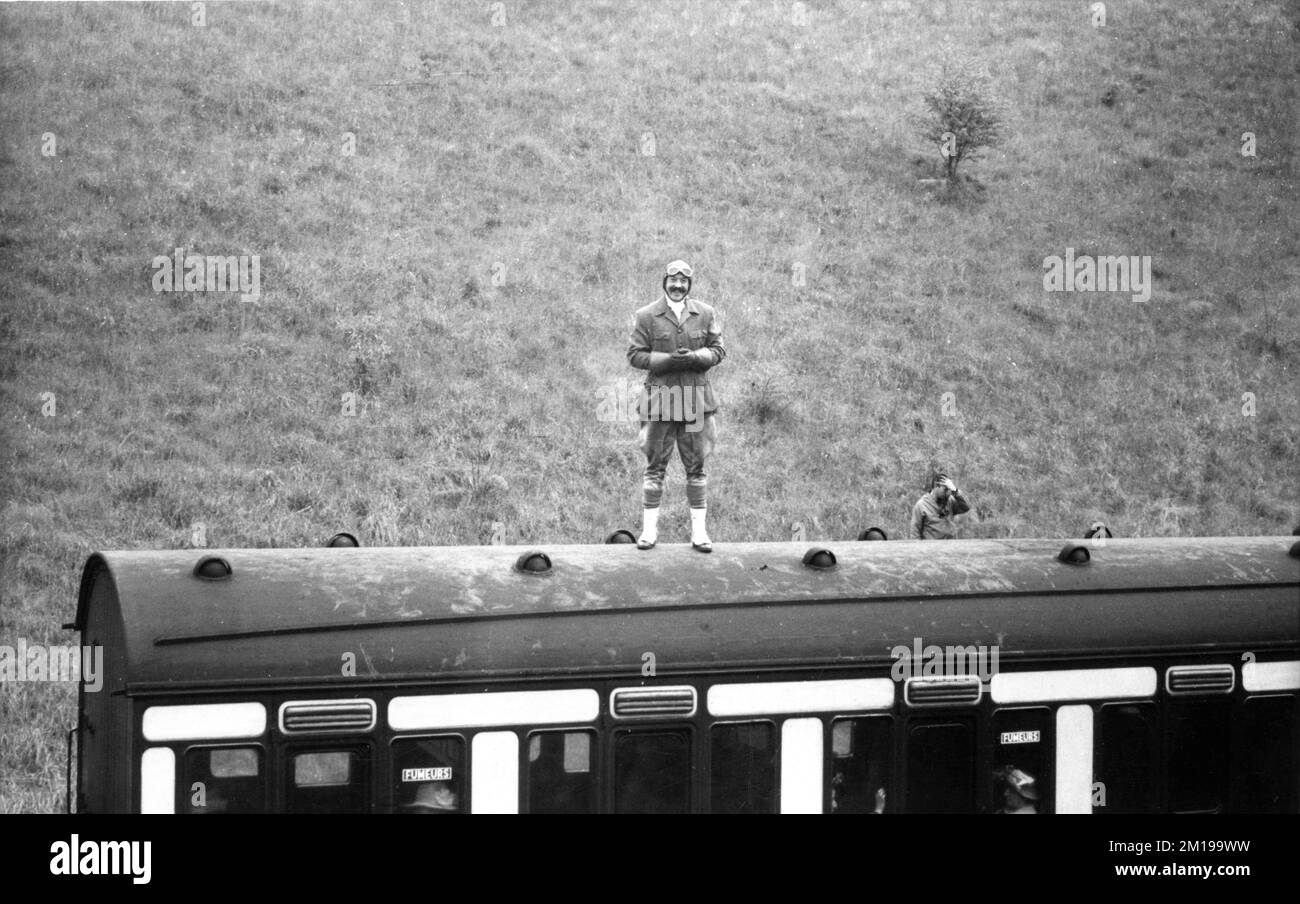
{"x": 960, "y": 117}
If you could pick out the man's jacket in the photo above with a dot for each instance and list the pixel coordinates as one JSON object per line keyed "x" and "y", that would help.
{"x": 931, "y": 521}
{"x": 676, "y": 389}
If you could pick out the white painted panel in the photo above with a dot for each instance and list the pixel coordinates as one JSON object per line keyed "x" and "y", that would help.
{"x": 494, "y": 776}
{"x": 801, "y": 766}
{"x": 1074, "y": 759}
{"x": 1270, "y": 676}
{"x": 204, "y": 722}
{"x": 1073, "y": 684}
{"x": 158, "y": 780}
{"x": 849, "y": 695}
{"x": 436, "y": 711}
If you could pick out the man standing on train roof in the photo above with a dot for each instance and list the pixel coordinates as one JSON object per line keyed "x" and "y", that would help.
{"x": 933, "y": 513}
{"x": 677, "y": 339}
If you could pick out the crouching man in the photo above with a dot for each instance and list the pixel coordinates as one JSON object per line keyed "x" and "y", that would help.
{"x": 933, "y": 513}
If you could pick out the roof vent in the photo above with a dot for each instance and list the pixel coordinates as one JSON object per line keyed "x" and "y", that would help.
{"x": 962, "y": 690}
{"x": 1184, "y": 680}
{"x": 821, "y": 559}
{"x": 213, "y": 568}
{"x": 621, "y": 536}
{"x": 334, "y": 716}
{"x": 1074, "y": 554}
{"x": 342, "y": 539}
{"x": 533, "y": 562}
{"x": 652, "y": 702}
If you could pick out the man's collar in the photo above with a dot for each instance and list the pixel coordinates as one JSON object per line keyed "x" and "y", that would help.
{"x": 663, "y": 309}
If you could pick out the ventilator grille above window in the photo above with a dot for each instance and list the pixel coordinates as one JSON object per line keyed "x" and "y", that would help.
{"x": 652, "y": 702}
{"x": 1200, "y": 679}
{"x": 303, "y": 716}
{"x": 957, "y": 691}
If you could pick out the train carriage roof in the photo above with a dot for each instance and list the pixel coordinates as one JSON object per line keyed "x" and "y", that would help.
{"x": 290, "y": 614}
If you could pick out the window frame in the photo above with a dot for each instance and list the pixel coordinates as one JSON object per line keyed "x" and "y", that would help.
{"x": 183, "y": 780}
{"x": 774, "y": 724}
{"x": 893, "y": 797}
{"x": 525, "y": 772}
{"x": 360, "y": 745}
{"x": 693, "y": 755}
{"x": 390, "y": 763}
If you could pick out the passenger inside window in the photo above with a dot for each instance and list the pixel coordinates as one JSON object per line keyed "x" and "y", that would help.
{"x": 860, "y": 765}
{"x": 432, "y": 797}
{"x": 428, "y": 775}
{"x": 1019, "y": 791}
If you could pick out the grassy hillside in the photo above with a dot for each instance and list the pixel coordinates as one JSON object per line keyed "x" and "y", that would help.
{"x": 472, "y": 268}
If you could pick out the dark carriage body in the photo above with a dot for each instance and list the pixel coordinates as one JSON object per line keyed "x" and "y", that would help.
{"x": 375, "y": 623}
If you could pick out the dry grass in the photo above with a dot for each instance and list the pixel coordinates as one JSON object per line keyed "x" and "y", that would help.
{"x": 471, "y": 271}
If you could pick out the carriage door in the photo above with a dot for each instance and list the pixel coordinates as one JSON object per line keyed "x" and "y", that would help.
{"x": 653, "y": 766}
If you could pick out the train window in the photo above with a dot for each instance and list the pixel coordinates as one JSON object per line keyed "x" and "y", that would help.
{"x": 1022, "y": 776}
{"x": 652, "y": 772}
{"x": 1125, "y": 759}
{"x": 1198, "y": 756}
{"x": 861, "y": 765}
{"x": 429, "y": 775}
{"x": 223, "y": 780}
{"x": 742, "y": 768}
{"x": 561, "y": 777}
{"x": 941, "y": 767}
{"x": 329, "y": 781}
{"x": 1267, "y": 756}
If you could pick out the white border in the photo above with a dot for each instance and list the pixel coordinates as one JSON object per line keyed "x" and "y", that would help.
{"x": 437, "y": 711}
{"x": 1257, "y": 677}
{"x": 1074, "y": 740}
{"x": 494, "y": 778}
{"x": 204, "y": 722}
{"x": 801, "y": 766}
{"x": 757, "y": 699}
{"x": 1073, "y": 684}
{"x": 158, "y": 780}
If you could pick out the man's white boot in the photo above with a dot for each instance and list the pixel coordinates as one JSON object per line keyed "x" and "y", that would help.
{"x": 649, "y": 529}
{"x": 699, "y": 536}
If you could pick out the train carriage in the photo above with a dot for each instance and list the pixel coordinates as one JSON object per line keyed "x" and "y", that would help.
{"x": 1134, "y": 675}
